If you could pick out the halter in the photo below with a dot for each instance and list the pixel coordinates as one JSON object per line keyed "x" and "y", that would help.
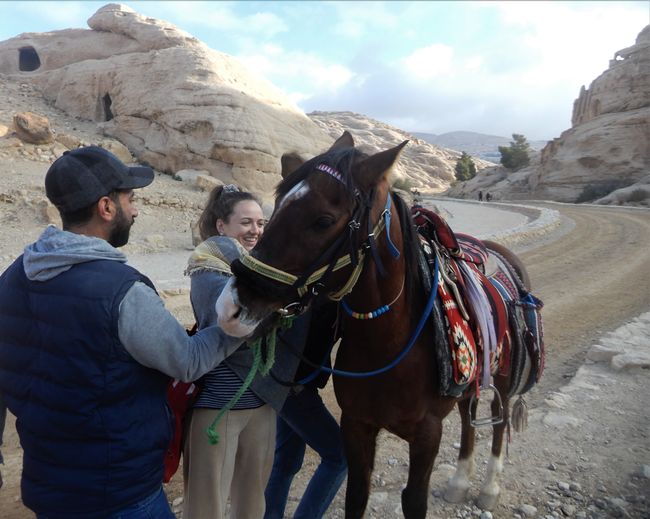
{"x": 310, "y": 283}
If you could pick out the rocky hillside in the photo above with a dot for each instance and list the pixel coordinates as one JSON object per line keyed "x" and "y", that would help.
{"x": 422, "y": 165}
{"x": 479, "y": 145}
{"x": 176, "y": 104}
{"x": 173, "y": 101}
{"x": 604, "y": 157}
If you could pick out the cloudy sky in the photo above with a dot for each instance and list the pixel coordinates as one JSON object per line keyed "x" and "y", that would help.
{"x": 436, "y": 67}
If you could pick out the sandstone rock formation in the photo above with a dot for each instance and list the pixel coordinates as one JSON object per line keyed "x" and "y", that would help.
{"x": 178, "y": 104}
{"x": 607, "y": 148}
{"x": 173, "y": 101}
{"x": 422, "y": 166}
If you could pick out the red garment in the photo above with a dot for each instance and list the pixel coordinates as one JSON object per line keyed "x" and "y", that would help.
{"x": 180, "y": 398}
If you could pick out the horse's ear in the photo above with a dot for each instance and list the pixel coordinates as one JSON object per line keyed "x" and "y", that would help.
{"x": 344, "y": 141}
{"x": 290, "y": 163}
{"x": 372, "y": 169}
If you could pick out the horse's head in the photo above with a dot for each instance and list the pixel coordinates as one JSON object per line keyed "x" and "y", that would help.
{"x": 321, "y": 212}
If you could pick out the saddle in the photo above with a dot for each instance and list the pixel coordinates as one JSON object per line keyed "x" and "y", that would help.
{"x": 491, "y": 323}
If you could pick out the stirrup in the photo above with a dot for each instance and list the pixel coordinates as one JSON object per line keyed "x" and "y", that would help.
{"x": 488, "y": 420}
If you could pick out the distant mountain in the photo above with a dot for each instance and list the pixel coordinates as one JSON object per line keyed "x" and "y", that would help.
{"x": 478, "y": 145}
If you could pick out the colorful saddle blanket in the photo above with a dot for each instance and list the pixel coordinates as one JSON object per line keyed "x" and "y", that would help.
{"x": 492, "y": 323}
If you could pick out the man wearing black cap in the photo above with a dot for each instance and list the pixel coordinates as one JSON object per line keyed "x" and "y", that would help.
{"x": 87, "y": 349}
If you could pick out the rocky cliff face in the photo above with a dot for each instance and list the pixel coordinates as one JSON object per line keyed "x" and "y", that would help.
{"x": 177, "y": 104}
{"x": 172, "y": 100}
{"x": 605, "y": 155}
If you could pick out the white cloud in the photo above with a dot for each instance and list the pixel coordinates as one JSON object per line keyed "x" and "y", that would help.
{"x": 59, "y": 16}
{"x": 355, "y": 20}
{"x": 522, "y": 79}
{"x": 302, "y": 74}
{"x": 573, "y": 42}
{"x": 219, "y": 16}
{"x": 430, "y": 62}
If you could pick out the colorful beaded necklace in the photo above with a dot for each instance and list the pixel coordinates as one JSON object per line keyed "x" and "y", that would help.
{"x": 375, "y": 313}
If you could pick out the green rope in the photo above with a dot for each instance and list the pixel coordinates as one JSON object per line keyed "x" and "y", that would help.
{"x": 263, "y": 367}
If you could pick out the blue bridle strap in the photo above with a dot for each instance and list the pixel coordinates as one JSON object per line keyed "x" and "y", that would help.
{"x": 394, "y": 251}
{"x": 396, "y": 360}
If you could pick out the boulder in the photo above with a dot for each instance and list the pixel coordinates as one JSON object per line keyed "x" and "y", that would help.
{"x": 189, "y": 175}
{"x": 207, "y": 183}
{"x": 33, "y": 128}
{"x": 69, "y": 141}
{"x": 118, "y": 149}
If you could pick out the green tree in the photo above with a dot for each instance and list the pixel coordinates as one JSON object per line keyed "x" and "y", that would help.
{"x": 465, "y": 168}
{"x": 515, "y": 156}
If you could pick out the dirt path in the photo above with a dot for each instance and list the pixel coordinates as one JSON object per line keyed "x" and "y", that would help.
{"x": 591, "y": 279}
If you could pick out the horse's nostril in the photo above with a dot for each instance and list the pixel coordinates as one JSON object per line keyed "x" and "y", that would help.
{"x": 237, "y": 313}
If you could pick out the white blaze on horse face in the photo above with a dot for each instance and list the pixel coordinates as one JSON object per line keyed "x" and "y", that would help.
{"x": 228, "y": 313}
{"x": 296, "y": 192}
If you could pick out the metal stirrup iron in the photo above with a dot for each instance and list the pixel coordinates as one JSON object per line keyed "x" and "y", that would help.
{"x": 488, "y": 420}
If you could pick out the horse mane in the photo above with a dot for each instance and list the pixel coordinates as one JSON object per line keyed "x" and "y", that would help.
{"x": 411, "y": 245}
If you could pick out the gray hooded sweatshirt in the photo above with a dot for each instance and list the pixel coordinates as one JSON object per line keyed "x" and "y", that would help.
{"x": 166, "y": 346}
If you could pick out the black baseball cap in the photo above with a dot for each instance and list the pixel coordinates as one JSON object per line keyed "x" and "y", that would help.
{"x": 80, "y": 177}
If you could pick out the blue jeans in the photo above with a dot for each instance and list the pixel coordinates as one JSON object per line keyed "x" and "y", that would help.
{"x": 153, "y": 507}
{"x": 304, "y": 420}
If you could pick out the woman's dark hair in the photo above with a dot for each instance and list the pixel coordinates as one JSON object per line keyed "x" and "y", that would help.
{"x": 221, "y": 204}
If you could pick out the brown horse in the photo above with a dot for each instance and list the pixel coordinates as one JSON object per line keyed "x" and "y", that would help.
{"x": 338, "y": 230}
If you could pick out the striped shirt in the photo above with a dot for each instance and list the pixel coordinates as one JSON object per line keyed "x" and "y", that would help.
{"x": 220, "y": 385}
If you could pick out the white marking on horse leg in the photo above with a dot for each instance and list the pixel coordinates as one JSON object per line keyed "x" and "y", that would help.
{"x": 489, "y": 495}
{"x": 459, "y": 483}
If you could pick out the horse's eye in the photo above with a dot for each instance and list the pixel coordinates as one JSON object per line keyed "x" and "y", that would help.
{"x": 324, "y": 222}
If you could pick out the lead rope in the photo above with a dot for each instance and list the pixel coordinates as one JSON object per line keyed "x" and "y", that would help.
{"x": 263, "y": 367}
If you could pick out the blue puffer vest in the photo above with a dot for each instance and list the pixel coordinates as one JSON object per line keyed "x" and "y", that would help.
{"x": 93, "y": 423}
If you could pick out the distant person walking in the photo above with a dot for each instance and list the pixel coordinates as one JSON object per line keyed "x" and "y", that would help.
{"x": 488, "y": 197}
{"x": 480, "y": 196}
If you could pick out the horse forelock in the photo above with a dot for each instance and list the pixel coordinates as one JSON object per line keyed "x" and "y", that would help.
{"x": 342, "y": 161}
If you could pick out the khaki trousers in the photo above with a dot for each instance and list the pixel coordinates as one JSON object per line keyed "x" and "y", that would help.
{"x": 238, "y": 466}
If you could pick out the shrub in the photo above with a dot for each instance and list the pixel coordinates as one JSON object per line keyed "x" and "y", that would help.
{"x": 515, "y": 156}
{"x": 465, "y": 168}
{"x": 595, "y": 191}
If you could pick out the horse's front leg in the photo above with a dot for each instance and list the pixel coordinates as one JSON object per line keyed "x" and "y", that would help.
{"x": 423, "y": 449}
{"x": 460, "y": 482}
{"x": 359, "y": 440}
{"x": 490, "y": 490}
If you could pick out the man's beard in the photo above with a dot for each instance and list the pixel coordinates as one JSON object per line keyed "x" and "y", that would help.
{"x": 121, "y": 228}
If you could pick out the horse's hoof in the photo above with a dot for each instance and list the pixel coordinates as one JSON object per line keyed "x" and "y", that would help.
{"x": 456, "y": 494}
{"x": 487, "y": 501}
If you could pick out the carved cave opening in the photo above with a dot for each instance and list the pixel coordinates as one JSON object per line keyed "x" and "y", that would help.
{"x": 28, "y": 59}
{"x": 107, "y": 102}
